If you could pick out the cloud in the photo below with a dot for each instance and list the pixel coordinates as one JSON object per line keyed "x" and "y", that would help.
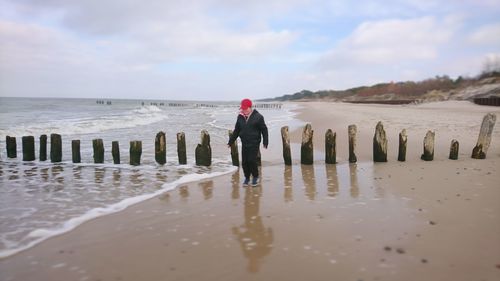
{"x": 162, "y": 31}
{"x": 486, "y": 35}
{"x": 259, "y": 48}
{"x": 209, "y": 42}
{"x": 28, "y": 45}
{"x": 389, "y": 42}
{"x": 387, "y": 50}
{"x": 111, "y": 17}
{"x": 57, "y": 63}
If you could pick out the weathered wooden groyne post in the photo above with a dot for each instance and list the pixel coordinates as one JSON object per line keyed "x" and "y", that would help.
{"x": 161, "y": 148}
{"x": 484, "y": 139}
{"x": 28, "y": 148}
{"x": 403, "y": 141}
{"x": 55, "y": 148}
{"x": 235, "y": 158}
{"x": 11, "y": 146}
{"x": 98, "y": 146}
{"x": 330, "y": 147}
{"x": 43, "y": 148}
{"x": 380, "y": 144}
{"x": 135, "y": 153}
{"x": 203, "y": 152}
{"x": 428, "y": 154}
{"x": 181, "y": 148}
{"x": 115, "y": 151}
{"x": 75, "y": 151}
{"x": 454, "y": 150}
{"x": 352, "y": 130}
{"x": 285, "y": 139}
{"x": 306, "y": 150}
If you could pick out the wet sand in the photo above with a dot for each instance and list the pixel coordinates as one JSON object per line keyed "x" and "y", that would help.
{"x": 415, "y": 220}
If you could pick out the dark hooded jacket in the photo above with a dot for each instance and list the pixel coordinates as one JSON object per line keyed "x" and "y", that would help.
{"x": 250, "y": 130}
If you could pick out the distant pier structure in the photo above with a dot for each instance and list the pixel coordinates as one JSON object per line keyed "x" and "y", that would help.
{"x": 103, "y": 102}
{"x": 211, "y": 105}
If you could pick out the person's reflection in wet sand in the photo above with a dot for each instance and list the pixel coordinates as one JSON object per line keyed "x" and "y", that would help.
{"x": 287, "y": 180}
{"x": 309, "y": 181}
{"x": 235, "y": 182}
{"x": 354, "y": 180}
{"x": 255, "y": 239}
{"x": 332, "y": 180}
{"x": 207, "y": 187}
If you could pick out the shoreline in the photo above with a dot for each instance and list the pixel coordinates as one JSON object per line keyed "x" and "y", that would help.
{"x": 387, "y": 221}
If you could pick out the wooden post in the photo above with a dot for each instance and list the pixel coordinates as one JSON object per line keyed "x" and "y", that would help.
{"x": 55, "y": 148}
{"x": 352, "y": 143}
{"x": 135, "y": 153}
{"x": 43, "y": 148}
{"x": 115, "y": 151}
{"x": 160, "y": 148}
{"x": 28, "y": 148}
{"x": 98, "y": 151}
{"x": 454, "y": 150}
{"x": 306, "y": 150}
{"x": 285, "y": 138}
{"x": 484, "y": 139}
{"x": 235, "y": 158}
{"x": 379, "y": 144}
{"x": 428, "y": 154}
{"x": 11, "y": 146}
{"x": 181, "y": 148}
{"x": 75, "y": 151}
{"x": 203, "y": 152}
{"x": 403, "y": 140}
{"x": 330, "y": 147}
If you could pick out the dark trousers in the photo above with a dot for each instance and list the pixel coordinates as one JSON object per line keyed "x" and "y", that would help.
{"x": 249, "y": 161}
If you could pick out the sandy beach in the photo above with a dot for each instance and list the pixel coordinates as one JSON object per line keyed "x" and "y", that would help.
{"x": 413, "y": 220}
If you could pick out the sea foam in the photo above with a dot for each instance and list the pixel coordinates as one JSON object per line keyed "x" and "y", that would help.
{"x": 41, "y": 235}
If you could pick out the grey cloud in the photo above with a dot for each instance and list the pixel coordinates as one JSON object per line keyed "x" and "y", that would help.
{"x": 110, "y": 17}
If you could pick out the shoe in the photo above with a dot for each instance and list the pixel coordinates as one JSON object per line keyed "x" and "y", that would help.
{"x": 255, "y": 181}
{"x": 246, "y": 182}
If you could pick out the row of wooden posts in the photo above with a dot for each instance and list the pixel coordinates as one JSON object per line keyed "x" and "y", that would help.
{"x": 380, "y": 144}
{"x": 203, "y": 152}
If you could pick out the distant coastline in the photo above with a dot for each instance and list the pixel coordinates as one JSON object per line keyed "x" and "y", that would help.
{"x": 440, "y": 88}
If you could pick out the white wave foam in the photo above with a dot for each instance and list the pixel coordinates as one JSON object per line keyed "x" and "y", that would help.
{"x": 137, "y": 117}
{"x": 41, "y": 235}
{"x": 147, "y": 109}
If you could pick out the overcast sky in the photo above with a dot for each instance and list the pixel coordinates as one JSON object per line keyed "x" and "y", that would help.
{"x": 231, "y": 49}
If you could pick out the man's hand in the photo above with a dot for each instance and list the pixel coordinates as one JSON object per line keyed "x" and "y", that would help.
{"x": 265, "y": 146}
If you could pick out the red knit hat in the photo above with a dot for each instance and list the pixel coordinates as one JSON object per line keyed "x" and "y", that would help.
{"x": 246, "y": 103}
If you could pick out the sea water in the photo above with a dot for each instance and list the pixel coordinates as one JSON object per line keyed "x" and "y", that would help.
{"x": 39, "y": 199}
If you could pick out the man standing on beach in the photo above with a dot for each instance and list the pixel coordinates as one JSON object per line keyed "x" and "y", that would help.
{"x": 249, "y": 127}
